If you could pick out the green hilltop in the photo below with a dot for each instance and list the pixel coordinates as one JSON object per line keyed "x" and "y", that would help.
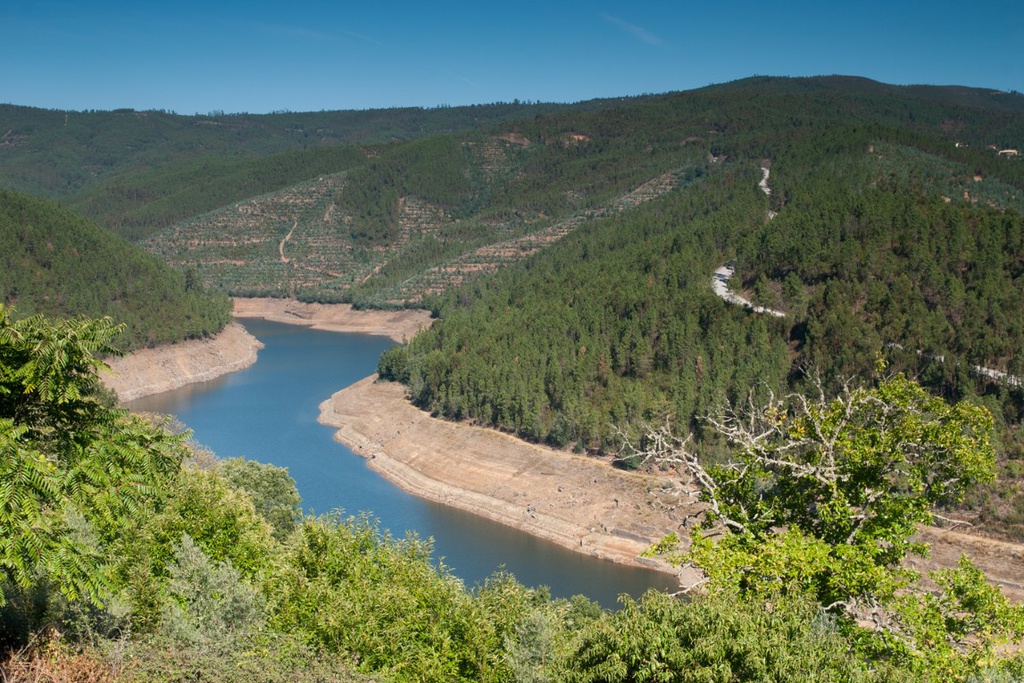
{"x": 119, "y": 166}
{"x": 59, "y": 263}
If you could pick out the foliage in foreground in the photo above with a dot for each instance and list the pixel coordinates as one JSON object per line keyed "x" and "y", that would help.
{"x": 822, "y": 502}
{"x": 718, "y": 638}
{"x": 73, "y": 470}
{"x": 140, "y": 568}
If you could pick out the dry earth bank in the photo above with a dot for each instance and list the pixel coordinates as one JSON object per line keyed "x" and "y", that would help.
{"x": 400, "y": 325}
{"x": 152, "y": 371}
{"x": 578, "y": 502}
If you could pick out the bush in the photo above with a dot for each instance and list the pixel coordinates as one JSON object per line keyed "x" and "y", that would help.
{"x": 716, "y": 638}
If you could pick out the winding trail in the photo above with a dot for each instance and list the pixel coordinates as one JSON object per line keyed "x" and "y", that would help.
{"x": 763, "y": 183}
{"x": 280, "y": 247}
{"x": 720, "y": 285}
{"x": 991, "y": 373}
{"x": 720, "y": 280}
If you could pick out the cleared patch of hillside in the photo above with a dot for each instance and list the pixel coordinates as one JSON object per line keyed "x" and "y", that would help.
{"x": 378, "y": 236}
{"x": 492, "y": 257}
{"x": 243, "y": 248}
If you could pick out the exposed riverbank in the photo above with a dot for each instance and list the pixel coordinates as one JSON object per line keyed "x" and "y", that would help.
{"x": 400, "y": 325}
{"x": 578, "y": 502}
{"x": 152, "y": 371}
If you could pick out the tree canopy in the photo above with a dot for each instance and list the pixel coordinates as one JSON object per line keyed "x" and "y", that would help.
{"x": 823, "y": 499}
{"x": 73, "y": 468}
{"x": 59, "y": 263}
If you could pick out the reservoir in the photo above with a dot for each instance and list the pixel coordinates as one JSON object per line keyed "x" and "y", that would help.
{"x": 268, "y": 412}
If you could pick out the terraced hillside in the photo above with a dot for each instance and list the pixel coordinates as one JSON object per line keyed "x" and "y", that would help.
{"x": 274, "y": 244}
{"x": 401, "y": 224}
{"x": 396, "y": 244}
{"x": 490, "y": 258}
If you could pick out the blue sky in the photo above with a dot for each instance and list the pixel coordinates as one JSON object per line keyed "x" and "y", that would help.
{"x": 255, "y": 56}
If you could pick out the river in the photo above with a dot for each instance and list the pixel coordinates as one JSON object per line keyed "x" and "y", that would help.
{"x": 268, "y": 412}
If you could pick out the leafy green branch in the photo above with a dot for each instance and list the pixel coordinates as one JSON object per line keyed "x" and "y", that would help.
{"x": 824, "y": 497}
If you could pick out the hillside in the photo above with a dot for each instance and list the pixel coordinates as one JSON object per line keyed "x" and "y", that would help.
{"x": 411, "y": 220}
{"x": 59, "y": 263}
{"x": 575, "y": 262}
{"x": 876, "y": 235}
{"x": 568, "y": 253}
{"x": 305, "y": 242}
{"x": 135, "y": 171}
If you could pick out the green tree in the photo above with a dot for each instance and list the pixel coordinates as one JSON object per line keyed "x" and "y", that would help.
{"x": 659, "y": 639}
{"x": 823, "y": 500}
{"x": 210, "y": 605}
{"x": 858, "y": 471}
{"x": 353, "y": 591}
{"x": 272, "y": 491}
{"x": 73, "y": 469}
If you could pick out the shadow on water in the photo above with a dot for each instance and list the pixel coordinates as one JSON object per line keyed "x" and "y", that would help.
{"x": 268, "y": 413}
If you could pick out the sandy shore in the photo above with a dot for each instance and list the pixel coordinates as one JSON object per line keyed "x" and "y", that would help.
{"x": 152, "y": 371}
{"x": 399, "y": 325}
{"x": 578, "y": 502}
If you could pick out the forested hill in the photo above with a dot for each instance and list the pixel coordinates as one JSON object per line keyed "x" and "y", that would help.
{"x": 108, "y": 164}
{"x": 398, "y": 224}
{"x": 876, "y": 233}
{"x": 62, "y": 264}
{"x": 953, "y": 96}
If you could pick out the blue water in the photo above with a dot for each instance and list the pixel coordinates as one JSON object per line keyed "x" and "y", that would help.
{"x": 268, "y": 413}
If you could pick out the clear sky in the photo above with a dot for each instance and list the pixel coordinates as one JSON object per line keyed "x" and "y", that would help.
{"x": 258, "y": 56}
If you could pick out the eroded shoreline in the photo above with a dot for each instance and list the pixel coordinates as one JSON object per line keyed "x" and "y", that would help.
{"x": 580, "y": 503}
{"x": 153, "y": 371}
{"x": 400, "y": 325}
